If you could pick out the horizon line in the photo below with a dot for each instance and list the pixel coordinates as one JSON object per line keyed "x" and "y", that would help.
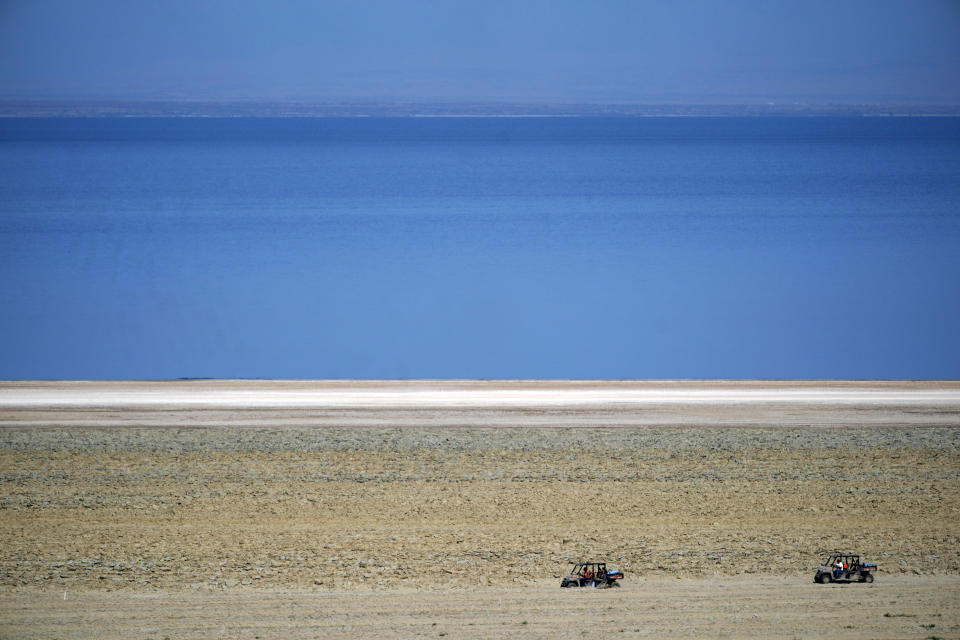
{"x": 269, "y": 108}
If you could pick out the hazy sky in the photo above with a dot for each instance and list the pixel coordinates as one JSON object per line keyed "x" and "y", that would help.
{"x": 537, "y": 50}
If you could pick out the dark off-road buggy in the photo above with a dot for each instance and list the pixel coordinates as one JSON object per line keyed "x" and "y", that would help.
{"x": 592, "y": 574}
{"x": 844, "y": 567}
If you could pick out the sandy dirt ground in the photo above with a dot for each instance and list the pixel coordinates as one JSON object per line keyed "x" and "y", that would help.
{"x": 754, "y": 607}
{"x": 188, "y": 526}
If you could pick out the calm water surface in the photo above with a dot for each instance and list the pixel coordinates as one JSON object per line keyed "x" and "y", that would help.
{"x": 478, "y": 248}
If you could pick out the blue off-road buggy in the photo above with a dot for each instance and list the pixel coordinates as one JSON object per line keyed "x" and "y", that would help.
{"x": 592, "y": 574}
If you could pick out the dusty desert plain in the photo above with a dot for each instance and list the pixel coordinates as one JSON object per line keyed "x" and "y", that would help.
{"x": 269, "y": 509}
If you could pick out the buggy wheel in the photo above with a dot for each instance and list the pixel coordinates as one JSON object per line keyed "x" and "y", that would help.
{"x": 615, "y": 584}
{"x": 826, "y": 578}
{"x": 868, "y": 578}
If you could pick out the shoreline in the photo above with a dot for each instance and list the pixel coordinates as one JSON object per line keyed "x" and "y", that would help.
{"x": 478, "y": 404}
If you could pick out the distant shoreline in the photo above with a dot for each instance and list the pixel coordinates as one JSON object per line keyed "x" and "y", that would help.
{"x": 11, "y": 108}
{"x": 476, "y": 403}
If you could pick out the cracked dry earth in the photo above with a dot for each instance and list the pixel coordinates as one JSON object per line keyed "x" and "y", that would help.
{"x": 365, "y": 519}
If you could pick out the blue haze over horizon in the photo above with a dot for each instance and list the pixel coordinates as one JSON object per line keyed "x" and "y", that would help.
{"x": 695, "y": 51}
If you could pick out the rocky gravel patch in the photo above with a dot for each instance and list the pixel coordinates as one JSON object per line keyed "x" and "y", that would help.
{"x": 214, "y": 509}
{"x": 405, "y": 440}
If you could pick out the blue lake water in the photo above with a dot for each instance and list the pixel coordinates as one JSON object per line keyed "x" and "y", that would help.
{"x": 480, "y": 248}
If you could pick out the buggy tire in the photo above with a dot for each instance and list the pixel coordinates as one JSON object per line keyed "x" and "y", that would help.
{"x": 868, "y": 578}
{"x": 826, "y": 578}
